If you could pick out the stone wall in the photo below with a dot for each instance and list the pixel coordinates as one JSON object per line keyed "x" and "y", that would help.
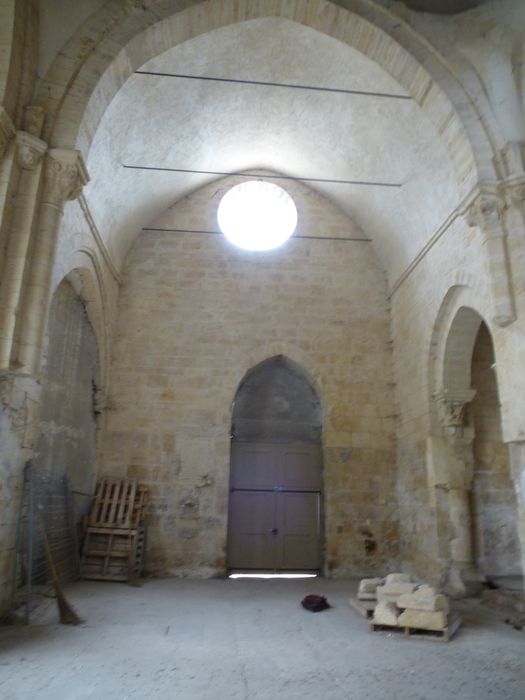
{"x": 416, "y": 307}
{"x": 454, "y": 272}
{"x": 496, "y": 546}
{"x": 18, "y": 410}
{"x": 195, "y": 315}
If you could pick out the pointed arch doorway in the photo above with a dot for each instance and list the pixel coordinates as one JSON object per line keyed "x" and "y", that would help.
{"x": 275, "y": 506}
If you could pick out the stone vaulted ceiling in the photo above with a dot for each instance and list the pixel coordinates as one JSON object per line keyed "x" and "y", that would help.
{"x": 193, "y": 124}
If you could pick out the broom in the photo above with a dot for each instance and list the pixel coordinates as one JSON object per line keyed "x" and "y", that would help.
{"x": 67, "y": 614}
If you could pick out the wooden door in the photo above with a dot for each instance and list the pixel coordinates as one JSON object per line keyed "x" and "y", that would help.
{"x": 275, "y": 507}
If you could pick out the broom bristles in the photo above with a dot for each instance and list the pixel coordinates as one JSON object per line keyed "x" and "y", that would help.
{"x": 68, "y": 615}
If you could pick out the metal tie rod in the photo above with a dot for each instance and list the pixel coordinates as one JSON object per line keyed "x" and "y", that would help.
{"x": 264, "y": 83}
{"x": 264, "y": 177}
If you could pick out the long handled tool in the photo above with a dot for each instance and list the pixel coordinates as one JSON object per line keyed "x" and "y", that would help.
{"x": 68, "y": 616}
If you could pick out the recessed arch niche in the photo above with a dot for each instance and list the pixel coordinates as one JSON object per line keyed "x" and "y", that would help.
{"x": 494, "y": 514}
{"x": 66, "y": 445}
{"x": 481, "y": 511}
{"x": 275, "y": 506}
{"x": 277, "y": 402}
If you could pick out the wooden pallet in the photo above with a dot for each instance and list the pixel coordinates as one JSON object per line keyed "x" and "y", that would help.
{"x": 109, "y": 554}
{"x": 363, "y": 607}
{"x": 140, "y": 552}
{"x": 114, "y": 544}
{"x": 113, "y": 503}
{"x": 444, "y": 635}
{"x": 118, "y": 503}
{"x": 139, "y": 505}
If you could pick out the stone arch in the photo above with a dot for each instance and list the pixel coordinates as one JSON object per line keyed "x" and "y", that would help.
{"x": 118, "y": 39}
{"x": 452, "y": 340}
{"x": 67, "y": 431}
{"x": 277, "y": 400}
{"x": 17, "y": 21}
{"x": 84, "y": 274}
{"x": 459, "y": 344}
{"x": 496, "y": 550}
{"x": 276, "y": 513}
{"x": 449, "y": 445}
{"x": 294, "y": 354}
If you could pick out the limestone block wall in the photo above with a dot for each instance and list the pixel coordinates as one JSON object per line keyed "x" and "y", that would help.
{"x": 195, "y": 314}
{"x": 81, "y": 259}
{"x": 454, "y": 271}
{"x": 18, "y": 415}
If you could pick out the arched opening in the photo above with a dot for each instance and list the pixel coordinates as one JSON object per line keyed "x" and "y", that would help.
{"x": 67, "y": 439}
{"x": 275, "y": 508}
{"x": 471, "y": 464}
{"x": 495, "y": 537}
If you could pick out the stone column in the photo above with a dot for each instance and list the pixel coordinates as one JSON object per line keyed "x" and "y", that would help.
{"x": 29, "y": 152}
{"x": 457, "y": 481}
{"x": 517, "y": 468}
{"x": 515, "y": 218}
{"x": 63, "y": 179}
{"x": 486, "y": 213}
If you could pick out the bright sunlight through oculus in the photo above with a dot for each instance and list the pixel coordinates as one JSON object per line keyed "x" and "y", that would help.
{"x": 257, "y": 215}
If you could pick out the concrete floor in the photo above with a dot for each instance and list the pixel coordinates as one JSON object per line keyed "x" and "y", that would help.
{"x": 181, "y": 639}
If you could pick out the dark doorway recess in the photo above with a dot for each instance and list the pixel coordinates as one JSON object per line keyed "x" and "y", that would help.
{"x": 493, "y": 500}
{"x": 275, "y": 509}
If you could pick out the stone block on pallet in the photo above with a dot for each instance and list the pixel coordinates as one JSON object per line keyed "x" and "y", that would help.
{"x": 424, "y": 598}
{"x": 422, "y": 619}
{"x": 390, "y": 592}
{"x": 367, "y": 588}
{"x": 385, "y": 614}
{"x": 397, "y": 578}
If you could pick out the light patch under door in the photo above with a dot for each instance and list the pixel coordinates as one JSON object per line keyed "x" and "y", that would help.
{"x": 275, "y": 507}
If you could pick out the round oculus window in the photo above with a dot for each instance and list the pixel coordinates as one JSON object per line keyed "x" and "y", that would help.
{"x": 257, "y": 215}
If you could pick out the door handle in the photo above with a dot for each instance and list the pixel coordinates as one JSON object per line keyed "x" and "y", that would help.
{"x": 274, "y": 531}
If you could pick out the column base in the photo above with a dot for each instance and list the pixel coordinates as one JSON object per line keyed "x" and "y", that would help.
{"x": 462, "y": 581}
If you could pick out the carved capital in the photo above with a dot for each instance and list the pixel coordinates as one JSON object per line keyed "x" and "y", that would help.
{"x": 7, "y": 130}
{"x": 30, "y": 150}
{"x": 451, "y": 407}
{"x": 516, "y": 193}
{"x": 486, "y": 211}
{"x": 65, "y": 176}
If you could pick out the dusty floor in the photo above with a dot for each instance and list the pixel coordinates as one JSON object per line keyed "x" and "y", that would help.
{"x": 180, "y": 639}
